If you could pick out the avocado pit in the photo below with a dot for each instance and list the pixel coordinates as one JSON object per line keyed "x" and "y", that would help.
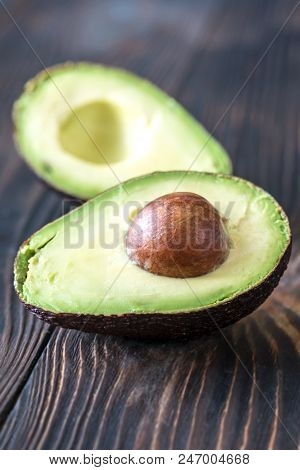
{"x": 178, "y": 235}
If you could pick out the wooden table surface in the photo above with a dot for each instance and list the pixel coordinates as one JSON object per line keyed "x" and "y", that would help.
{"x": 236, "y": 66}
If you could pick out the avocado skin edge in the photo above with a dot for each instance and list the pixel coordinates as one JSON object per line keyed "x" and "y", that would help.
{"x": 161, "y": 326}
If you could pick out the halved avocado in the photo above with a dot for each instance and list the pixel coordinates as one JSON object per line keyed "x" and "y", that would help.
{"x": 75, "y": 271}
{"x": 84, "y": 127}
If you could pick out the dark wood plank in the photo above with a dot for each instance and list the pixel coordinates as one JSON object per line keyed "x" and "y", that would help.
{"x": 64, "y": 389}
{"x": 96, "y": 392}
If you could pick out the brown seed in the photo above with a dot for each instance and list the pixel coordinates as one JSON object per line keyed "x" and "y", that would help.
{"x": 178, "y": 235}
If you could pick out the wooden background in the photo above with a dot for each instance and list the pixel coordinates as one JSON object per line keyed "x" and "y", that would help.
{"x": 65, "y": 389}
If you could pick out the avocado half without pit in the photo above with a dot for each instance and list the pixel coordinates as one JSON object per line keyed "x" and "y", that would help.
{"x": 166, "y": 255}
{"x": 82, "y": 126}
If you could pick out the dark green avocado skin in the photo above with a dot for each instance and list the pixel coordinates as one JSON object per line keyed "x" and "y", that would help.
{"x": 162, "y": 326}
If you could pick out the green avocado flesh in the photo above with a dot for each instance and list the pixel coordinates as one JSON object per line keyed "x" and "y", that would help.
{"x": 78, "y": 263}
{"x": 85, "y": 127}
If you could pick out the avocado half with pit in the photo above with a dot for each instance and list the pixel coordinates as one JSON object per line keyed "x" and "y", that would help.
{"x": 109, "y": 265}
{"x": 84, "y": 128}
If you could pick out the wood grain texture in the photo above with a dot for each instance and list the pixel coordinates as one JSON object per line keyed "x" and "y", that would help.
{"x": 64, "y": 389}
